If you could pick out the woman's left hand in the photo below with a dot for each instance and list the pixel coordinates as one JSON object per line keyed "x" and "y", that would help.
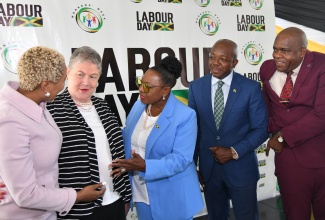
{"x": 136, "y": 162}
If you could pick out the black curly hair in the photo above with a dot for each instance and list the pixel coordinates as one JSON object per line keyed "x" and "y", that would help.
{"x": 169, "y": 69}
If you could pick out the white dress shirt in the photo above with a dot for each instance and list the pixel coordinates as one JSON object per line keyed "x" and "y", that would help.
{"x": 225, "y": 88}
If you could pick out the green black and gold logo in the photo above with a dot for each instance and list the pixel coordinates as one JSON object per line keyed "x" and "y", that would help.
{"x": 253, "y": 53}
{"x": 208, "y": 23}
{"x": 10, "y": 54}
{"x": 171, "y": 1}
{"x": 202, "y": 3}
{"x": 21, "y": 15}
{"x": 256, "y": 4}
{"x": 88, "y": 18}
{"x": 233, "y": 3}
{"x": 155, "y": 21}
{"x": 251, "y": 23}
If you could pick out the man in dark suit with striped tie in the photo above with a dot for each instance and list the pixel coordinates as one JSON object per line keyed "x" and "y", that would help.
{"x": 232, "y": 121}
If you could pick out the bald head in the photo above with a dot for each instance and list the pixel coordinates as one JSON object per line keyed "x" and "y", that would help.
{"x": 297, "y": 35}
{"x": 230, "y": 44}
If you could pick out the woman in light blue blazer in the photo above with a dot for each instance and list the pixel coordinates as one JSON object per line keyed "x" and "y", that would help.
{"x": 160, "y": 137}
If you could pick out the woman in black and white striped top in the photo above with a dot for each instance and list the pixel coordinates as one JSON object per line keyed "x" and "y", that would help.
{"x": 92, "y": 138}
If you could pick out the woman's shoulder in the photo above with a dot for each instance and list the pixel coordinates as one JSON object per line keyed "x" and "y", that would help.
{"x": 182, "y": 108}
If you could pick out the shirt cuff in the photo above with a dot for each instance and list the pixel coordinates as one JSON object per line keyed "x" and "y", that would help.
{"x": 234, "y": 153}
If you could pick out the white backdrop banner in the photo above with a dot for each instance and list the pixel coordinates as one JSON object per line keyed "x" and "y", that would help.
{"x": 132, "y": 35}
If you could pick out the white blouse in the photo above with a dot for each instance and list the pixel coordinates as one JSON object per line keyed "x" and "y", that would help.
{"x": 138, "y": 143}
{"x": 104, "y": 155}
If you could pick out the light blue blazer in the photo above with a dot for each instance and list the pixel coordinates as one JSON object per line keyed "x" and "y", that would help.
{"x": 171, "y": 177}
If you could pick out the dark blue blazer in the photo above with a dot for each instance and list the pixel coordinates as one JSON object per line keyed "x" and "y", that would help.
{"x": 243, "y": 127}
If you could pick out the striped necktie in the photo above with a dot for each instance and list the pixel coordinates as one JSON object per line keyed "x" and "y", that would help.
{"x": 218, "y": 104}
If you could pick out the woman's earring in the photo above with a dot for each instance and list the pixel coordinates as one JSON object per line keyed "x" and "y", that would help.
{"x": 47, "y": 94}
{"x": 164, "y": 98}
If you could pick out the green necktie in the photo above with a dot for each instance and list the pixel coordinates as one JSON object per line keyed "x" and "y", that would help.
{"x": 218, "y": 104}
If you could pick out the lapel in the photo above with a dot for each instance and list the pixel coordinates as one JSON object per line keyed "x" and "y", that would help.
{"x": 207, "y": 99}
{"x": 163, "y": 122}
{"x": 306, "y": 66}
{"x": 234, "y": 91}
{"x": 131, "y": 122}
{"x": 267, "y": 85}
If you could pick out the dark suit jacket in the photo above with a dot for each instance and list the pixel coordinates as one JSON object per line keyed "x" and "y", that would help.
{"x": 243, "y": 127}
{"x": 303, "y": 121}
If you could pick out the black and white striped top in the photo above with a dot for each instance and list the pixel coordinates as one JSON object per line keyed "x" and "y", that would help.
{"x": 78, "y": 165}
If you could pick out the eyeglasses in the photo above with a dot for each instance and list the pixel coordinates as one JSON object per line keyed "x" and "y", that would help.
{"x": 146, "y": 87}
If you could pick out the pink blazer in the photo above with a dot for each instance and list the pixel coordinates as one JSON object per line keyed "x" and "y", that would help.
{"x": 30, "y": 144}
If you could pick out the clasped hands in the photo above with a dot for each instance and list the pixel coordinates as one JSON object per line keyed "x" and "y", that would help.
{"x": 221, "y": 154}
{"x": 274, "y": 144}
{"x": 119, "y": 166}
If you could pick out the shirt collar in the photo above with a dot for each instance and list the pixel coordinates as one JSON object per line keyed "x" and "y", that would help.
{"x": 227, "y": 80}
{"x": 296, "y": 71}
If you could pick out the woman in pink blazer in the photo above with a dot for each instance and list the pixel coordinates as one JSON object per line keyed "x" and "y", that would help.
{"x": 30, "y": 141}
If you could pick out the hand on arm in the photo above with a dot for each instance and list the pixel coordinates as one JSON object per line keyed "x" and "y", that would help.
{"x": 90, "y": 193}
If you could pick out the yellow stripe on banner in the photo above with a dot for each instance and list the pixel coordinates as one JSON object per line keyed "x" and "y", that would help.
{"x": 312, "y": 45}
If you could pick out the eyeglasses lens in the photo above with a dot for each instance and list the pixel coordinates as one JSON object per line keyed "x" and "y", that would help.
{"x": 145, "y": 86}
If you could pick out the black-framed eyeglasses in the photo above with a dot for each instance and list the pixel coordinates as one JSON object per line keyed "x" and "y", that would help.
{"x": 146, "y": 86}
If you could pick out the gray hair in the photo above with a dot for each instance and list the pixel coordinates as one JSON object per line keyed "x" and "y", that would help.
{"x": 85, "y": 54}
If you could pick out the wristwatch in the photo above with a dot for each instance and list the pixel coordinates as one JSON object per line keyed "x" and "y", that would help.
{"x": 280, "y": 138}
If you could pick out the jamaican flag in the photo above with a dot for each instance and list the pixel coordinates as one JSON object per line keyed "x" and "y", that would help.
{"x": 182, "y": 95}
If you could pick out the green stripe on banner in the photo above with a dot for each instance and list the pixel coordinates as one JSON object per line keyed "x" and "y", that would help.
{"x": 182, "y": 95}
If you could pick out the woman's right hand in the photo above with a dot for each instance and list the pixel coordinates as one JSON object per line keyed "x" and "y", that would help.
{"x": 90, "y": 193}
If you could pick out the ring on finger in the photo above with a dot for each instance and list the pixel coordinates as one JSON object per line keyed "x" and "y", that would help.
{"x": 123, "y": 170}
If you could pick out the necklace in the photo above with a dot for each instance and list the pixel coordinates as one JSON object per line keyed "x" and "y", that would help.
{"x": 85, "y": 106}
{"x": 148, "y": 113}
{"x": 149, "y": 110}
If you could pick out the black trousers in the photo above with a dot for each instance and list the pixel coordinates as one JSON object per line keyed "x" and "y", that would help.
{"x": 113, "y": 211}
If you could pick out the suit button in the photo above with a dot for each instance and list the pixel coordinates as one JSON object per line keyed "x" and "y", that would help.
{"x": 218, "y": 138}
{"x": 288, "y": 110}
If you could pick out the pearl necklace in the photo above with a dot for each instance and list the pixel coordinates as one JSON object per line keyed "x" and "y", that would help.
{"x": 85, "y": 106}
{"x": 148, "y": 113}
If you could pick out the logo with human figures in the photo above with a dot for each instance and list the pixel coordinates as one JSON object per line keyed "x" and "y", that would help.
{"x": 253, "y": 53}
{"x": 256, "y": 4}
{"x": 202, "y": 3}
{"x": 88, "y": 18}
{"x": 10, "y": 55}
{"x": 208, "y": 23}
